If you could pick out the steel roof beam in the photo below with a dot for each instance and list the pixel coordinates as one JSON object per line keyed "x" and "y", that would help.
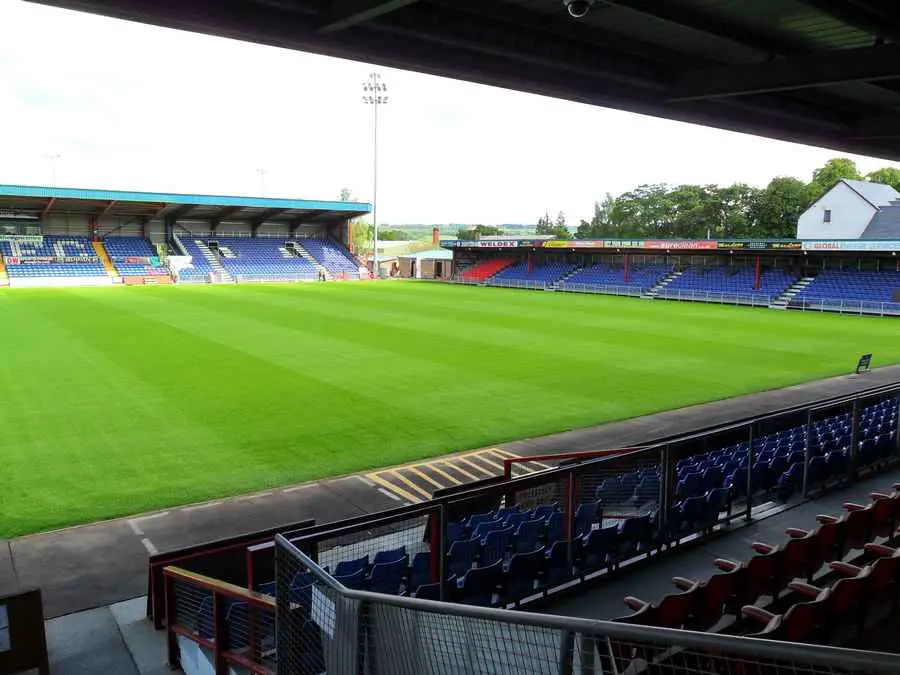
{"x": 801, "y": 72}
{"x": 347, "y": 13}
{"x": 225, "y": 213}
{"x": 869, "y": 17}
{"x": 703, "y": 22}
{"x": 48, "y": 206}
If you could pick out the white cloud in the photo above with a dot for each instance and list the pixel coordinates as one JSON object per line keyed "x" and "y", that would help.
{"x": 130, "y": 106}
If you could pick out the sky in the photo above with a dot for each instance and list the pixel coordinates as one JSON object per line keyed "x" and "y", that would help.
{"x": 99, "y": 103}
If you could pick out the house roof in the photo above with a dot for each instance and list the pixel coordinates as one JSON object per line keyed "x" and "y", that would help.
{"x": 877, "y": 194}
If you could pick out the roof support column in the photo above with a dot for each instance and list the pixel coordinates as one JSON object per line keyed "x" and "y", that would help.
{"x": 95, "y": 227}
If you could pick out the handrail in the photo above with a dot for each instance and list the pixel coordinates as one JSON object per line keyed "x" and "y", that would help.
{"x": 745, "y": 646}
{"x": 210, "y": 584}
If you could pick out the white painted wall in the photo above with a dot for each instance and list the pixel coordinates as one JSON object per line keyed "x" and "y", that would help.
{"x": 850, "y": 214}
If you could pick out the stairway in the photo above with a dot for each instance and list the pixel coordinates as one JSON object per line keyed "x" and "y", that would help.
{"x": 179, "y": 247}
{"x": 223, "y": 276}
{"x": 566, "y": 277}
{"x": 104, "y": 258}
{"x": 783, "y": 300}
{"x": 661, "y": 284}
{"x": 4, "y": 277}
{"x": 303, "y": 253}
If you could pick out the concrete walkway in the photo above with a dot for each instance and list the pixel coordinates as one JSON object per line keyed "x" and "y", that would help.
{"x": 104, "y": 563}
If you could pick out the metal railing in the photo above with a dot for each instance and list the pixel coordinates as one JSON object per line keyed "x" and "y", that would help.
{"x": 605, "y": 289}
{"x": 723, "y": 298}
{"x": 324, "y": 627}
{"x": 233, "y": 624}
{"x": 844, "y": 306}
{"x": 519, "y": 283}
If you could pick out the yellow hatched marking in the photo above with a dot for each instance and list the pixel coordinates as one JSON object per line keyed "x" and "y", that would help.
{"x": 462, "y": 471}
{"x": 390, "y": 487}
{"x": 407, "y": 481}
{"x": 474, "y": 466}
{"x": 481, "y": 456}
{"x": 524, "y": 469}
{"x": 434, "y": 467}
{"x": 424, "y": 476}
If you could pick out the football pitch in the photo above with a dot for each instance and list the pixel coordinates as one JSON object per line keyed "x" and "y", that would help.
{"x": 115, "y": 401}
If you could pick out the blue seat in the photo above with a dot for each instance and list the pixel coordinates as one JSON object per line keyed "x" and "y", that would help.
{"x": 736, "y": 483}
{"x": 557, "y": 564}
{"x": 522, "y": 575}
{"x": 647, "y": 490}
{"x": 791, "y": 481}
{"x": 635, "y": 535}
{"x": 236, "y": 625}
{"x": 717, "y": 501}
{"x": 529, "y": 535}
{"x": 515, "y": 519}
{"x": 478, "y": 585}
{"x": 462, "y": 556}
{"x": 430, "y": 591}
{"x": 356, "y": 580}
{"x": 456, "y": 531}
{"x": 388, "y": 577}
{"x": 691, "y": 514}
{"x": 599, "y": 548}
{"x": 585, "y": 516}
{"x": 348, "y": 567}
{"x": 483, "y": 529}
{"x": 477, "y": 519}
{"x": 495, "y": 545}
{"x": 544, "y": 512}
{"x": 389, "y": 556}
{"x": 689, "y": 486}
{"x": 555, "y": 527}
{"x": 420, "y": 572}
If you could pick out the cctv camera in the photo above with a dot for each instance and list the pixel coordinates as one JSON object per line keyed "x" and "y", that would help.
{"x": 578, "y": 8}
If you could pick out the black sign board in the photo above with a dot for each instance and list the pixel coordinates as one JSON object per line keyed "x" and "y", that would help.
{"x": 864, "y": 365}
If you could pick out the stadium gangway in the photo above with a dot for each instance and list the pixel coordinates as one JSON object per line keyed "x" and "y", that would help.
{"x": 350, "y": 631}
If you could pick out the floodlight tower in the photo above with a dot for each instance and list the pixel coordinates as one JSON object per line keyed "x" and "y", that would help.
{"x": 375, "y": 95}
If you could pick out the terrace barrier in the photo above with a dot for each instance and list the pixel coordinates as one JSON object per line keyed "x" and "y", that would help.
{"x": 844, "y": 306}
{"x": 337, "y": 630}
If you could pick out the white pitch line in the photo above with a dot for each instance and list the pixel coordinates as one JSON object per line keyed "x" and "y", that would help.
{"x": 365, "y": 480}
{"x": 298, "y": 487}
{"x": 152, "y": 516}
{"x": 151, "y": 549}
{"x": 258, "y": 495}
{"x": 388, "y": 493}
{"x": 207, "y": 505}
{"x": 135, "y": 528}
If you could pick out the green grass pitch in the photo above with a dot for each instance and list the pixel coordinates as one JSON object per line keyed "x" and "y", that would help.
{"x": 120, "y": 400}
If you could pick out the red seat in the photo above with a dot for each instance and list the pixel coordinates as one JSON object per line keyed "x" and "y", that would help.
{"x": 857, "y": 526}
{"x": 883, "y": 576}
{"x": 846, "y": 601}
{"x": 885, "y": 511}
{"x": 764, "y": 573}
{"x": 717, "y": 596}
{"x": 673, "y": 611}
{"x": 803, "y": 622}
{"x": 799, "y": 552}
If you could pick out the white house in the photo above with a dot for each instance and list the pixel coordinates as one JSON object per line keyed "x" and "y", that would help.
{"x": 853, "y": 209}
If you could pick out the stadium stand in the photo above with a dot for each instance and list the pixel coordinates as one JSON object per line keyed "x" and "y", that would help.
{"x": 509, "y": 553}
{"x": 865, "y": 289}
{"x": 606, "y": 276}
{"x": 125, "y": 253}
{"x": 540, "y": 275}
{"x": 263, "y": 260}
{"x": 485, "y": 270}
{"x": 200, "y": 270}
{"x": 53, "y": 258}
{"x": 730, "y": 281}
{"x": 336, "y": 260}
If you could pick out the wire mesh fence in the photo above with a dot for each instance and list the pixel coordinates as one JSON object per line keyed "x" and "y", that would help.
{"x": 323, "y": 627}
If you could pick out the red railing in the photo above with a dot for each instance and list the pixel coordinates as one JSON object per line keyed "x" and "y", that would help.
{"x": 236, "y": 625}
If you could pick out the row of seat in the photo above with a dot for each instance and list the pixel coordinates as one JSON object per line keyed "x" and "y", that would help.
{"x": 790, "y": 566}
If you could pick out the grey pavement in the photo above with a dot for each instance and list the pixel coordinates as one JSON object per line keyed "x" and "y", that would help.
{"x": 100, "y": 564}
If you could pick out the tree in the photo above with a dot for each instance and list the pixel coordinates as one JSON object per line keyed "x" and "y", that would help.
{"x": 834, "y": 170}
{"x": 544, "y": 225}
{"x": 778, "y": 207}
{"x": 555, "y": 228}
{"x": 346, "y": 195}
{"x": 887, "y": 175}
{"x": 478, "y": 231}
{"x": 391, "y": 235}
{"x": 363, "y": 234}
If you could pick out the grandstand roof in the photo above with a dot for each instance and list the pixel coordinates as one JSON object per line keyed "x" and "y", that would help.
{"x": 159, "y": 205}
{"x": 823, "y": 72}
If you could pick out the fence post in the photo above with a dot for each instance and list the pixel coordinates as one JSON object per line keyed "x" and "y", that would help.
{"x": 897, "y": 428}
{"x": 666, "y": 491}
{"x": 570, "y": 515}
{"x": 442, "y": 549}
{"x": 748, "y": 512}
{"x": 854, "y": 440}
{"x": 566, "y": 653}
{"x": 806, "y": 448}
{"x": 174, "y": 656}
{"x": 220, "y": 631}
